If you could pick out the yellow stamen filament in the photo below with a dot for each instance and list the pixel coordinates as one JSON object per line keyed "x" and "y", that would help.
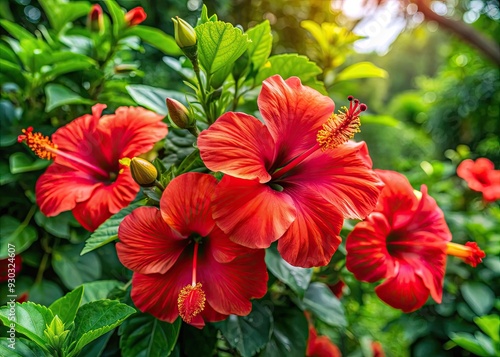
{"x": 41, "y": 145}
{"x": 470, "y": 253}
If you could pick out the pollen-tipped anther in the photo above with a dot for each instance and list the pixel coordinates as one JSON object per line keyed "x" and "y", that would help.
{"x": 341, "y": 127}
{"x": 191, "y": 301}
{"x": 41, "y": 145}
{"x": 470, "y": 253}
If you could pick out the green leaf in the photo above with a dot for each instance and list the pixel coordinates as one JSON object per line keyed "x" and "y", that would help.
{"x": 320, "y": 300}
{"x": 478, "y": 296}
{"x": 361, "y": 70}
{"x": 9, "y": 121}
{"x": 262, "y": 42}
{"x": 142, "y": 335}
{"x": 156, "y": 38}
{"x": 290, "y": 333}
{"x": 8, "y": 55}
{"x": 17, "y": 234}
{"x": 249, "y": 334}
{"x": 74, "y": 269}
{"x": 469, "y": 343}
{"x": 58, "y": 95}
{"x": 45, "y": 292}
{"x": 13, "y": 72}
{"x": 59, "y": 13}
{"x": 219, "y": 45}
{"x": 16, "y": 31}
{"x": 289, "y": 65}
{"x": 30, "y": 320}
{"x": 204, "y": 16}
{"x": 385, "y": 120}
{"x": 296, "y": 278}
{"x": 117, "y": 15}
{"x": 22, "y": 348}
{"x": 108, "y": 231}
{"x": 98, "y": 290}
{"x": 153, "y": 98}
{"x": 67, "y": 306}
{"x": 58, "y": 226}
{"x": 19, "y": 162}
{"x": 61, "y": 68}
{"x": 95, "y": 319}
{"x": 490, "y": 325}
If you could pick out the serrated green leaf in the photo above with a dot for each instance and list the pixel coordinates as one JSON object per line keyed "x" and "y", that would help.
{"x": 249, "y": 334}
{"x": 288, "y": 65}
{"x": 67, "y": 306}
{"x": 108, "y": 231}
{"x": 361, "y": 70}
{"x": 296, "y": 278}
{"x": 156, "y": 38}
{"x": 95, "y": 319}
{"x": 142, "y": 335}
{"x": 17, "y": 234}
{"x": 22, "y": 348}
{"x": 490, "y": 325}
{"x": 153, "y": 98}
{"x": 290, "y": 333}
{"x": 478, "y": 296}
{"x": 98, "y": 290}
{"x": 219, "y": 45}
{"x": 20, "y": 162}
{"x": 73, "y": 269}
{"x": 30, "y": 320}
{"x": 262, "y": 42}
{"x": 58, "y": 95}
{"x": 320, "y": 300}
{"x": 16, "y": 31}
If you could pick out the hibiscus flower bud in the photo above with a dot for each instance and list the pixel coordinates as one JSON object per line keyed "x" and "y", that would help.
{"x": 135, "y": 16}
{"x": 55, "y": 333}
{"x": 95, "y": 20}
{"x": 178, "y": 113}
{"x": 185, "y": 35}
{"x": 143, "y": 172}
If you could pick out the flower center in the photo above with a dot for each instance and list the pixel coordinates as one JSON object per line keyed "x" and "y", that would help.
{"x": 44, "y": 148}
{"x": 191, "y": 299}
{"x": 337, "y": 130}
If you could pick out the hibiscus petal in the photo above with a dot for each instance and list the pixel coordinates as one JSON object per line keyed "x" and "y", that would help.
{"x": 312, "y": 239}
{"x": 405, "y": 290}
{"x": 342, "y": 178}
{"x": 367, "y": 256}
{"x": 185, "y": 203}
{"x": 60, "y": 188}
{"x": 250, "y": 213}
{"x": 105, "y": 201}
{"x": 239, "y": 145}
{"x": 230, "y": 286}
{"x": 223, "y": 249}
{"x": 293, "y": 114}
{"x": 147, "y": 244}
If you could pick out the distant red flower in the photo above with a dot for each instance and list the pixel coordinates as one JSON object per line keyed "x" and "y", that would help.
{"x": 86, "y": 176}
{"x": 404, "y": 241}
{"x": 135, "y": 16}
{"x": 10, "y": 265}
{"x": 183, "y": 264}
{"x": 95, "y": 19}
{"x": 481, "y": 176}
{"x": 295, "y": 177}
{"x": 320, "y": 346}
{"x": 337, "y": 289}
{"x": 377, "y": 349}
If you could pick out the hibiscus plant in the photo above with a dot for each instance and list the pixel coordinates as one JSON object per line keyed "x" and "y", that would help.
{"x": 235, "y": 213}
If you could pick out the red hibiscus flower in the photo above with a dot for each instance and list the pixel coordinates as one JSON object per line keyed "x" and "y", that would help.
{"x": 86, "y": 176}
{"x": 404, "y": 241}
{"x": 320, "y": 346}
{"x": 295, "y": 177}
{"x": 183, "y": 264}
{"x": 135, "y": 16}
{"x": 481, "y": 176}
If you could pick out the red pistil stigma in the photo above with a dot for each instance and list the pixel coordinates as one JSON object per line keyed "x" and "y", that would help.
{"x": 41, "y": 145}
{"x": 342, "y": 126}
{"x": 191, "y": 301}
{"x": 470, "y": 253}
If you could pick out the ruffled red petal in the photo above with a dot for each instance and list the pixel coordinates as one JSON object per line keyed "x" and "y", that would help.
{"x": 186, "y": 203}
{"x": 312, "y": 239}
{"x": 239, "y": 145}
{"x": 293, "y": 114}
{"x": 223, "y": 249}
{"x": 250, "y": 213}
{"x": 367, "y": 255}
{"x": 147, "y": 244}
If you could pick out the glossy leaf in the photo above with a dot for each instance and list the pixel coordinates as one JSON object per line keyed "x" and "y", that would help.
{"x": 490, "y": 325}
{"x": 219, "y": 45}
{"x": 60, "y": 13}
{"x": 320, "y": 300}
{"x": 58, "y": 226}
{"x": 142, "y": 335}
{"x": 67, "y": 306}
{"x": 97, "y": 290}
{"x": 468, "y": 342}
{"x": 45, "y": 292}
{"x": 20, "y": 162}
{"x": 16, "y": 31}
{"x": 478, "y": 296}
{"x": 156, "y": 38}
{"x": 117, "y": 15}
{"x": 249, "y": 334}
{"x": 73, "y": 269}
{"x": 22, "y": 348}
{"x": 262, "y": 42}
{"x": 58, "y": 95}
{"x": 361, "y": 70}
{"x": 108, "y": 231}
{"x": 153, "y": 98}
{"x": 19, "y": 235}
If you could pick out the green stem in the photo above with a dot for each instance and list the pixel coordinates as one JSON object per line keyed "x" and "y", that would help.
{"x": 159, "y": 185}
{"x": 41, "y": 269}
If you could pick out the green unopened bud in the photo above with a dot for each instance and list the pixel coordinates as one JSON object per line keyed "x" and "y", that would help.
{"x": 178, "y": 113}
{"x": 185, "y": 35}
{"x": 143, "y": 172}
{"x": 55, "y": 333}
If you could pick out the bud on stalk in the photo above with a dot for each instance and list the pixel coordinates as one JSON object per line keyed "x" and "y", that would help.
{"x": 135, "y": 16}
